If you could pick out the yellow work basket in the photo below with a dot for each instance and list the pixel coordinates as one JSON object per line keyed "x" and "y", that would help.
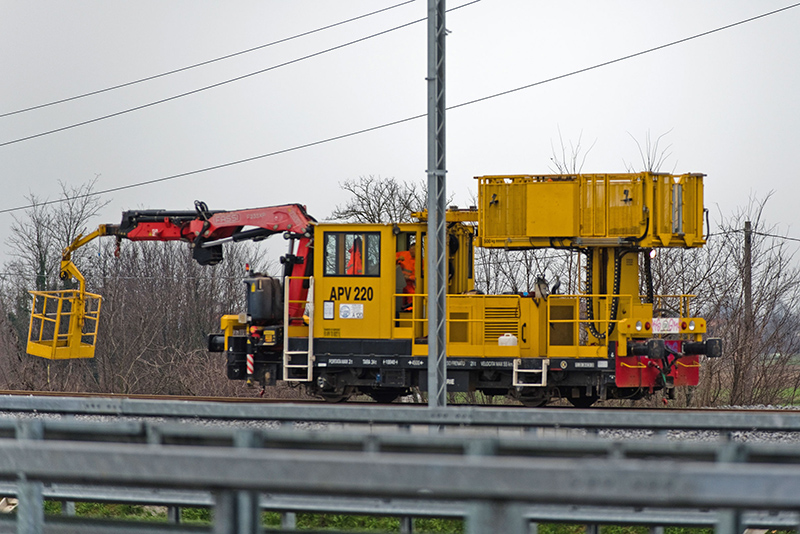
{"x": 63, "y": 325}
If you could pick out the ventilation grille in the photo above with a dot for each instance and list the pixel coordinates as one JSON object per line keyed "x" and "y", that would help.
{"x": 499, "y": 321}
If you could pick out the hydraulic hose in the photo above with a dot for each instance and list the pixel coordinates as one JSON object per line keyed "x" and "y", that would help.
{"x": 615, "y": 301}
{"x": 648, "y": 277}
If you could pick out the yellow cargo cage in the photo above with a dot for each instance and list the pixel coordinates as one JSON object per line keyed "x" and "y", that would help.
{"x": 647, "y": 209}
{"x": 63, "y": 325}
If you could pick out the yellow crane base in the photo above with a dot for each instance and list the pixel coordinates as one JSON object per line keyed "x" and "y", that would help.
{"x": 63, "y": 324}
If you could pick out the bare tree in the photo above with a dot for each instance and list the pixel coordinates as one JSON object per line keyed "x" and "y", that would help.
{"x": 159, "y": 306}
{"x": 758, "y": 361}
{"x": 652, "y": 155}
{"x": 31, "y": 245}
{"x": 35, "y": 244}
{"x": 381, "y": 200}
{"x": 572, "y": 161}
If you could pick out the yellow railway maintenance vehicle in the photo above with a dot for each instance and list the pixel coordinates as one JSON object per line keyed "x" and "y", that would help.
{"x": 349, "y": 313}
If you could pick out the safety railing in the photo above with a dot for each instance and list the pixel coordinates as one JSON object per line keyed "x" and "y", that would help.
{"x": 672, "y": 305}
{"x": 475, "y": 323}
{"x": 63, "y": 324}
{"x": 569, "y": 322}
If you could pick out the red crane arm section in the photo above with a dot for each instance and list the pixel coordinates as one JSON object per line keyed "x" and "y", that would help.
{"x": 159, "y": 225}
{"x": 206, "y": 230}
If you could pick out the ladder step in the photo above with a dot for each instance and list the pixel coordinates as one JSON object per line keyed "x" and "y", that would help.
{"x": 525, "y": 377}
{"x": 303, "y": 371}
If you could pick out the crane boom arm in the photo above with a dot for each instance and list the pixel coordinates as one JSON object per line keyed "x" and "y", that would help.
{"x": 206, "y": 231}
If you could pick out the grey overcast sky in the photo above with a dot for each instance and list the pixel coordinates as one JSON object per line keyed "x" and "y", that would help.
{"x": 729, "y": 100}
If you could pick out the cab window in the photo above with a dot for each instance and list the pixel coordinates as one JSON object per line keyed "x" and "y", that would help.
{"x": 352, "y": 254}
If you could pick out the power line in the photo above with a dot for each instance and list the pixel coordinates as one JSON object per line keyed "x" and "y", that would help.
{"x": 207, "y": 62}
{"x": 784, "y": 237}
{"x": 764, "y": 234}
{"x": 216, "y": 167}
{"x": 724, "y": 232}
{"x": 225, "y": 82}
{"x": 388, "y": 124}
{"x": 630, "y": 56}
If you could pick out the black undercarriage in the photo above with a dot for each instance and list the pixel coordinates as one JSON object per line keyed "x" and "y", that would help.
{"x": 386, "y": 370}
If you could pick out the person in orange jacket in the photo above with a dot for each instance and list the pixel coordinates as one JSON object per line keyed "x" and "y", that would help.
{"x": 355, "y": 265}
{"x": 407, "y": 261}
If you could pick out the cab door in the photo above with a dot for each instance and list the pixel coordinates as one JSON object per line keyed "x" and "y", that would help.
{"x": 348, "y": 297}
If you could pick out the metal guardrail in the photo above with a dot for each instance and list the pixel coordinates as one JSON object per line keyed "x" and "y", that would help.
{"x": 404, "y": 415}
{"x": 534, "y": 446}
{"x": 409, "y": 508}
{"x": 498, "y": 484}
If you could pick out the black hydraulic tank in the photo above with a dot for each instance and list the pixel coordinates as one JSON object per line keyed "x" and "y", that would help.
{"x": 264, "y": 300}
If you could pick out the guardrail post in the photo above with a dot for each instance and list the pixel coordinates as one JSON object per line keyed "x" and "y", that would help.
{"x": 288, "y": 520}
{"x": 496, "y": 516}
{"x": 237, "y": 512}
{"x": 174, "y": 515}
{"x": 68, "y": 508}
{"x": 30, "y": 510}
{"x": 729, "y": 522}
{"x": 406, "y": 525}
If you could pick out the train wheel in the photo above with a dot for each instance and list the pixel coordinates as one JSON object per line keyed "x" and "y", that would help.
{"x": 534, "y": 402}
{"x": 532, "y": 397}
{"x": 383, "y": 396}
{"x": 583, "y": 401}
{"x": 336, "y": 395}
{"x": 333, "y": 398}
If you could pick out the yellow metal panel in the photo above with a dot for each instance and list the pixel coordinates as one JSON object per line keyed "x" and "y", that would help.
{"x": 591, "y": 351}
{"x": 593, "y": 213}
{"x": 552, "y": 209}
{"x": 503, "y": 208}
{"x": 591, "y": 210}
{"x": 625, "y": 206}
{"x": 663, "y": 209}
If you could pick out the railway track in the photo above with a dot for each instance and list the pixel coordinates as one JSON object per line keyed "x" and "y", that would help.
{"x": 166, "y": 398}
{"x": 310, "y": 401}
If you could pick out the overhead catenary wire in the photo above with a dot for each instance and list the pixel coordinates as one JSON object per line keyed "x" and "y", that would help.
{"x": 763, "y": 234}
{"x": 776, "y": 236}
{"x": 203, "y": 63}
{"x": 629, "y": 56}
{"x": 396, "y": 122}
{"x": 219, "y": 84}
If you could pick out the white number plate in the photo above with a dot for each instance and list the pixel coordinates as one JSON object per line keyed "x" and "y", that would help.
{"x": 666, "y": 325}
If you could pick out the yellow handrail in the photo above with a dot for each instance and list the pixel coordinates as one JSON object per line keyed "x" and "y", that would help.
{"x": 637, "y": 366}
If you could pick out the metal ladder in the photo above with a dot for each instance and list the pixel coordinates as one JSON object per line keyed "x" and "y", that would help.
{"x": 294, "y": 371}
{"x": 527, "y": 377}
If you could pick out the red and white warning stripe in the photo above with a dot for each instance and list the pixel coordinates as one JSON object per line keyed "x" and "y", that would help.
{"x": 249, "y": 364}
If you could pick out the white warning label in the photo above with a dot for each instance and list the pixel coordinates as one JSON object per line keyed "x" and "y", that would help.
{"x": 351, "y": 311}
